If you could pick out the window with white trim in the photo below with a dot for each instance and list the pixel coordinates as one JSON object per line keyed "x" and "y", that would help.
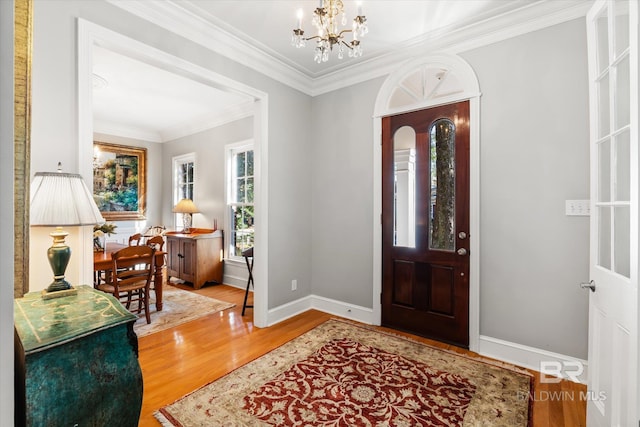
{"x": 184, "y": 171}
{"x": 240, "y": 198}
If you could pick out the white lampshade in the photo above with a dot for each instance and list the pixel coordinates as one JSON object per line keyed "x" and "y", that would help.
{"x": 185, "y": 206}
{"x": 62, "y": 199}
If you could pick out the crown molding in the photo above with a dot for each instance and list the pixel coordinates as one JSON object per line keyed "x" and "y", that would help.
{"x": 525, "y": 20}
{"x": 117, "y": 129}
{"x": 191, "y": 26}
{"x": 187, "y": 24}
{"x": 231, "y": 114}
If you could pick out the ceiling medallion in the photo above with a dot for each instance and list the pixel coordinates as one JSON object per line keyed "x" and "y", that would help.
{"x": 328, "y": 33}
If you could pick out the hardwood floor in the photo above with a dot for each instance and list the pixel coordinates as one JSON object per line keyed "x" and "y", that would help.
{"x": 179, "y": 360}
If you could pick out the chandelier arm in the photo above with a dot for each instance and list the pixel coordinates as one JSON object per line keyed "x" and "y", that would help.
{"x": 314, "y": 37}
{"x": 344, "y": 31}
{"x": 347, "y": 44}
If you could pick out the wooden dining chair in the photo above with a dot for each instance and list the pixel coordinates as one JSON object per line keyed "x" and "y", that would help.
{"x": 156, "y": 242}
{"x": 153, "y": 231}
{"x": 132, "y": 273}
{"x": 135, "y": 239}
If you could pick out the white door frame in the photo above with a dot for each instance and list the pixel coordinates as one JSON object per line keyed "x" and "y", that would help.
{"x": 468, "y": 89}
{"x": 90, "y": 34}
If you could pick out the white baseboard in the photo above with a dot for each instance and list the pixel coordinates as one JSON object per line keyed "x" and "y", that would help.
{"x": 327, "y": 305}
{"x": 290, "y": 309}
{"x": 235, "y": 274}
{"x": 534, "y": 358}
{"x": 235, "y": 281}
{"x": 342, "y": 309}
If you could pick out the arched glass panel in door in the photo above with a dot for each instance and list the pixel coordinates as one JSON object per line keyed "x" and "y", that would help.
{"x": 404, "y": 198}
{"x": 443, "y": 185}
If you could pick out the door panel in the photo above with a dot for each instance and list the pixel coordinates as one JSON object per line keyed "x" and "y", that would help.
{"x": 442, "y": 286}
{"x": 189, "y": 260}
{"x": 403, "y": 283}
{"x": 425, "y": 222}
{"x": 613, "y": 304}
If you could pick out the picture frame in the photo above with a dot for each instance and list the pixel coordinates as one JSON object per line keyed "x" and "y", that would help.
{"x": 119, "y": 181}
{"x": 22, "y": 41}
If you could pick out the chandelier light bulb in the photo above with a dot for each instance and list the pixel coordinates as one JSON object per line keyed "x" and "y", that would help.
{"x": 299, "y": 16}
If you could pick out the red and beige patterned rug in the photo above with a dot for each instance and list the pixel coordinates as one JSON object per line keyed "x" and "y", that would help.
{"x": 344, "y": 374}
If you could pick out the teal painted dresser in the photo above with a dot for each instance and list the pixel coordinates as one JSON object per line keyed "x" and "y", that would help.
{"x": 76, "y": 361}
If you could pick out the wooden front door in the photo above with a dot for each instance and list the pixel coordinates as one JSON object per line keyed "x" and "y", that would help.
{"x": 425, "y": 222}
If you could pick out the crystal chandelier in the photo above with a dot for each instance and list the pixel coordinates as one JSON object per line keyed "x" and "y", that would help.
{"x": 325, "y": 19}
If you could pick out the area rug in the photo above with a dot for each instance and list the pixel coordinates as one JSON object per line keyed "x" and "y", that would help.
{"x": 345, "y": 374}
{"x": 178, "y": 306}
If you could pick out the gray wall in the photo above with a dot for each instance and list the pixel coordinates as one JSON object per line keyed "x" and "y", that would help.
{"x": 208, "y": 147}
{"x": 6, "y": 212}
{"x": 342, "y": 196}
{"x": 534, "y": 156}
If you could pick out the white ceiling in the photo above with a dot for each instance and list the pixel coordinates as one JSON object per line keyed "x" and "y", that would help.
{"x": 137, "y": 100}
{"x": 392, "y": 24}
{"x": 144, "y": 102}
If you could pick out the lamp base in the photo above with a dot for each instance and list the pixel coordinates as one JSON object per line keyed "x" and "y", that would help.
{"x": 58, "y": 255}
{"x": 186, "y": 223}
{"x": 59, "y": 284}
{"x": 47, "y": 294}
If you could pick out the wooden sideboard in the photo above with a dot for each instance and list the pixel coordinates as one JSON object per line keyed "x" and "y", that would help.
{"x": 76, "y": 361}
{"x": 195, "y": 257}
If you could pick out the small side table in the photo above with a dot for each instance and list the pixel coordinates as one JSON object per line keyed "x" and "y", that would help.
{"x": 248, "y": 253}
{"x": 195, "y": 257}
{"x": 76, "y": 361}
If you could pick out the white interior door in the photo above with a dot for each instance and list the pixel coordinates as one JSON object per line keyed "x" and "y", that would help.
{"x": 613, "y": 306}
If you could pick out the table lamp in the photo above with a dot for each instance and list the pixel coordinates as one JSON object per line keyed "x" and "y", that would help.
{"x": 61, "y": 199}
{"x": 186, "y": 207}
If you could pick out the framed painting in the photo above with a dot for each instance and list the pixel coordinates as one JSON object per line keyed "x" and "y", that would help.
{"x": 119, "y": 181}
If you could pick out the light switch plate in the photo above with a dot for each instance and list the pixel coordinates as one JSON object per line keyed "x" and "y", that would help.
{"x": 577, "y": 207}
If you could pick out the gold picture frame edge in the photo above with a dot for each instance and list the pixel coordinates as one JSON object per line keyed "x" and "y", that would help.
{"x": 141, "y": 152}
{"x": 22, "y": 45}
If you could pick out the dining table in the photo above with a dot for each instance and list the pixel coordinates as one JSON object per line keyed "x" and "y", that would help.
{"x": 102, "y": 261}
